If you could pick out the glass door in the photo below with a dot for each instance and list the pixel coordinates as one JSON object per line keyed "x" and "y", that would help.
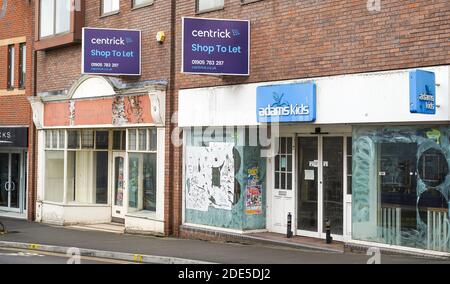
{"x": 119, "y": 188}
{"x": 333, "y": 184}
{"x": 308, "y": 185}
{"x": 10, "y": 181}
{"x": 320, "y": 194}
{"x": 4, "y": 180}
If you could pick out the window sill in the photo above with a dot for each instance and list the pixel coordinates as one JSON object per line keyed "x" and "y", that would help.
{"x": 249, "y": 2}
{"x": 209, "y": 10}
{"x": 137, "y": 7}
{"x": 106, "y": 15}
{"x": 13, "y": 92}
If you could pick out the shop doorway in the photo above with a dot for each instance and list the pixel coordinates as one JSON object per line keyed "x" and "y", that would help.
{"x": 322, "y": 186}
{"x": 12, "y": 183}
{"x": 119, "y": 188}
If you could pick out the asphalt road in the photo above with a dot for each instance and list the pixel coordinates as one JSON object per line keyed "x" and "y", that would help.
{"x": 16, "y": 256}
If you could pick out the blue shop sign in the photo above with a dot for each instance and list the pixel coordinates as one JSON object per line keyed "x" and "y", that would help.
{"x": 286, "y": 103}
{"x": 422, "y": 92}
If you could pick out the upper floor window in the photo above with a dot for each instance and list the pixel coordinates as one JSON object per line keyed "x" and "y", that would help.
{"x": 11, "y": 67}
{"x": 110, "y": 6}
{"x": 22, "y": 65}
{"x": 59, "y": 23}
{"x": 209, "y": 5}
{"x": 141, "y": 3}
{"x": 54, "y": 17}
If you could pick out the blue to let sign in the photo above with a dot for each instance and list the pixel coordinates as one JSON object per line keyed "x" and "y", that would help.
{"x": 287, "y": 103}
{"x": 111, "y": 52}
{"x": 216, "y": 47}
{"x": 422, "y": 92}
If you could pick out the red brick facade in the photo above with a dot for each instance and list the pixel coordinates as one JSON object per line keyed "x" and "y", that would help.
{"x": 16, "y": 28}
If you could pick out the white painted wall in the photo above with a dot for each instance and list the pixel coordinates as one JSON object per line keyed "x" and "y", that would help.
{"x": 59, "y": 214}
{"x": 381, "y": 97}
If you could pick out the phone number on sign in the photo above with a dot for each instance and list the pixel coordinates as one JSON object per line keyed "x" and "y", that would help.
{"x": 208, "y": 62}
{"x": 105, "y": 65}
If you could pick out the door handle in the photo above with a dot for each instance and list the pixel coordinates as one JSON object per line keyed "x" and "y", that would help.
{"x": 7, "y": 186}
{"x": 14, "y": 186}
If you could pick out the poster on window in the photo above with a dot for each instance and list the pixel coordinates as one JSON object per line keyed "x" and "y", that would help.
{"x": 253, "y": 200}
{"x": 210, "y": 177}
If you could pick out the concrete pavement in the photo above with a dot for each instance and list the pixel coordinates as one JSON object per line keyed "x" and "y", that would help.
{"x": 21, "y": 231}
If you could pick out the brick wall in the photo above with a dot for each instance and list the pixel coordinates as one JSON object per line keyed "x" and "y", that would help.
{"x": 58, "y": 69}
{"x": 303, "y": 39}
{"x": 17, "y": 24}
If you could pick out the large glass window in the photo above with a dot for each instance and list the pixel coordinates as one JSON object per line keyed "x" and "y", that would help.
{"x": 401, "y": 186}
{"x": 54, "y": 176}
{"x": 54, "y": 17}
{"x": 87, "y": 166}
{"x": 142, "y": 165}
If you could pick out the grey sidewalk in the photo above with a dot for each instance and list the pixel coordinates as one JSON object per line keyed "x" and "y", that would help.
{"x": 33, "y": 233}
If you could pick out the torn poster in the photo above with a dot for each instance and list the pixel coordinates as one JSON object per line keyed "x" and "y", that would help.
{"x": 253, "y": 200}
{"x": 210, "y": 177}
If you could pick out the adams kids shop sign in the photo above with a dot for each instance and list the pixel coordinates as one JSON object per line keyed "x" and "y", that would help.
{"x": 111, "y": 52}
{"x": 216, "y": 47}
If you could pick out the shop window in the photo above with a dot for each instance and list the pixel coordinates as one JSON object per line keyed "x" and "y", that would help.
{"x": 141, "y": 3}
{"x": 119, "y": 140}
{"x": 141, "y": 139}
{"x": 87, "y": 177}
{"x": 87, "y": 139}
{"x": 132, "y": 139}
{"x": 142, "y": 163}
{"x": 142, "y": 181}
{"x": 54, "y": 139}
{"x": 11, "y": 67}
{"x": 400, "y": 186}
{"x": 73, "y": 139}
{"x": 283, "y": 165}
{"x": 110, "y": 7}
{"x": 349, "y": 165}
{"x": 22, "y": 65}
{"x": 54, "y": 176}
{"x": 101, "y": 140}
{"x": 209, "y": 5}
{"x": 433, "y": 167}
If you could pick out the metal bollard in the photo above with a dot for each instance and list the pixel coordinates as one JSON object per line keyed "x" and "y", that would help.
{"x": 289, "y": 226}
{"x": 328, "y": 231}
